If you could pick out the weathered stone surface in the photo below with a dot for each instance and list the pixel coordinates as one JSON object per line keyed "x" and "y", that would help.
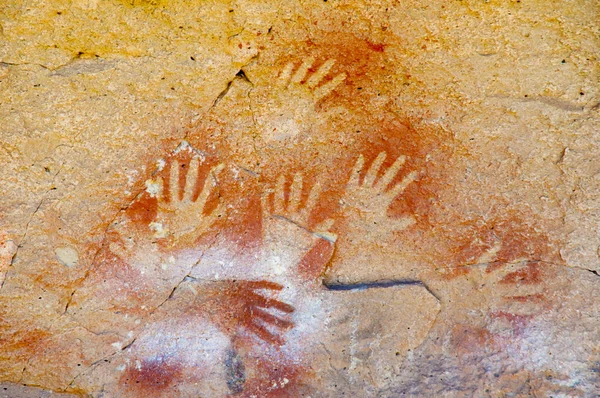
{"x": 9, "y": 390}
{"x": 262, "y": 198}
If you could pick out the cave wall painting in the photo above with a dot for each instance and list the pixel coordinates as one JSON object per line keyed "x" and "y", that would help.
{"x": 290, "y": 215}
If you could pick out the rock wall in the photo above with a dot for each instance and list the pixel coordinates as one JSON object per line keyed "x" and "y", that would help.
{"x": 305, "y": 198}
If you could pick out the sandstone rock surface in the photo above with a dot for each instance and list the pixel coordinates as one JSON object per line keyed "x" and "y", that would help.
{"x": 306, "y": 198}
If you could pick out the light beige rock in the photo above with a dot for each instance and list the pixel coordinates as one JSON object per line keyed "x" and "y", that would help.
{"x": 260, "y": 198}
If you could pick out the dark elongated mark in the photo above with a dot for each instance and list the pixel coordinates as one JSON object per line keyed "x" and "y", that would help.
{"x": 236, "y": 372}
{"x": 371, "y": 285}
{"x": 340, "y": 287}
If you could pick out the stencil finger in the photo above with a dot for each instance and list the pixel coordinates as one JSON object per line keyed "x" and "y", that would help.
{"x": 191, "y": 180}
{"x": 286, "y": 73}
{"x": 313, "y": 197}
{"x": 263, "y": 285}
{"x": 279, "y": 196}
{"x": 391, "y": 173}
{"x": 160, "y": 189}
{"x": 353, "y": 181}
{"x": 264, "y": 334}
{"x": 401, "y": 186}
{"x": 303, "y": 70}
{"x": 320, "y": 73}
{"x": 295, "y": 194}
{"x": 400, "y": 224}
{"x": 174, "y": 181}
{"x": 272, "y": 319}
{"x": 261, "y": 301}
{"x": 328, "y": 87}
{"x": 209, "y": 183}
{"x": 374, "y": 170}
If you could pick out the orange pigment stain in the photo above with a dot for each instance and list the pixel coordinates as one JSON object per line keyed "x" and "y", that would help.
{"x": 237, "y": 189}
{"x": 242, "y": 225}
{"x": 242, "y": 309}
{"x": 153, "y": 378}
{"x": 21, "y": 344}
{"x": 529, "y": 275}
{"x": 118, "y": 278}
{"x": 314, "y": 263}
{"x": 363, "y": 62}
{"x": 276, "y": 379}
{"x": 430, "y": 151}
{"x": 468, "y": 340}
{"x": 143, "y": 209}
{"x": 517, "y": 241}
{"x": 517, "y": 322}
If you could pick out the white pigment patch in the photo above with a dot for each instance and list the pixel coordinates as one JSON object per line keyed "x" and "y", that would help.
{"x": 159, "y": 230}
{"x": 277, "y": 266}
{"x": 184, "y": 145}
{"x": 67, "y": 256}
{"x": 153, "y": 188}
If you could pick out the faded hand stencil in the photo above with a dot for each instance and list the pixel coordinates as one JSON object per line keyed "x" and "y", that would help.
{"x": 181, "y": 214}
{"x": 264, "y": 304}
{"x": 291, "y": 104}
{"x": 222, "y": 276}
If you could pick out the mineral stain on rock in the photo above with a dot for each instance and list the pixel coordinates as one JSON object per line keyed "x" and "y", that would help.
{"x": 150, "y": 378}
{"x": 236, "y": 376}
{"x": 347, "y": 216}
{"x": 308, "y": 233}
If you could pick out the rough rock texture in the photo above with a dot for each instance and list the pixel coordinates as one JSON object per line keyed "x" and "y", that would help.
{"x": 304, "y": 198}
